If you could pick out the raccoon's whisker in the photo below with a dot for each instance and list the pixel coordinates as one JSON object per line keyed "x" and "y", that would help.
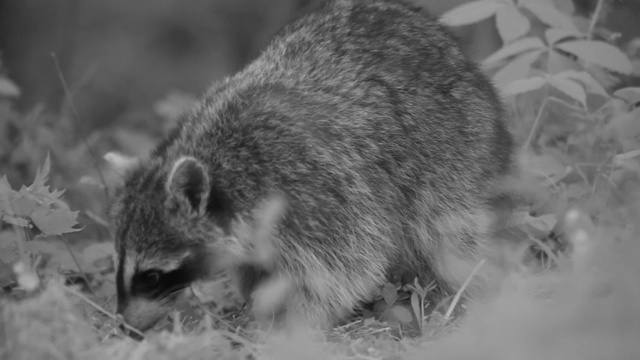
{"x": 171, "y": 293}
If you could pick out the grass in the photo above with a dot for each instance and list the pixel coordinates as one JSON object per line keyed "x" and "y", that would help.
{"x": 589, "y": 310}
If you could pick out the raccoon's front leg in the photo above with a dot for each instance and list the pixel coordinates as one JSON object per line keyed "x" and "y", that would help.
{"x": 310, "y": 289}
{"x": 321, "y": 299}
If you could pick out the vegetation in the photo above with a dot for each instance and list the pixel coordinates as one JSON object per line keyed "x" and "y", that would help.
{"x": 565, "y": 82}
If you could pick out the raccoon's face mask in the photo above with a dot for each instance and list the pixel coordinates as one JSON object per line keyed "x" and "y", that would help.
{"x": 162, "y": 229}
{"x": 148, "y": 291}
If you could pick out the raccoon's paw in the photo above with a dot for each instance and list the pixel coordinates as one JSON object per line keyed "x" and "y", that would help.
{"x": 271, "y": 301}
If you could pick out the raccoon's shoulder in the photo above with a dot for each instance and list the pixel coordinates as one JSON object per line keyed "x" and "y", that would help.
{"x": 348, "y": 42}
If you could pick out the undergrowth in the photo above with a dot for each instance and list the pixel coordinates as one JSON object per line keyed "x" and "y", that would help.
{"x": 568, "y": 254}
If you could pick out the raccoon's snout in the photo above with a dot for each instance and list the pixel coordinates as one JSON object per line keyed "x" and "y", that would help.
{"x": 151, "y": 294}
{"x": 149, "y": 288}
{"x": 143, "y": 313}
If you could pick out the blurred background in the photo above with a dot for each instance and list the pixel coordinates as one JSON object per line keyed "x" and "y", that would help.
{"x": 131, "y": 66}
{"x": 118, "y": 56}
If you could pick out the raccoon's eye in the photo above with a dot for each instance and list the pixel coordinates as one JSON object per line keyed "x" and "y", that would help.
{"x": 150, "y": 277}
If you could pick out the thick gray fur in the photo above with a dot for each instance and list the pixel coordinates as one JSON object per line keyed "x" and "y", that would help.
{"x": 388, "y": 144}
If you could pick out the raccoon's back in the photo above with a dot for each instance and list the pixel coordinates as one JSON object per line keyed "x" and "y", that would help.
{"x": 359, "y": 92}
{"x": 387, "y": 82}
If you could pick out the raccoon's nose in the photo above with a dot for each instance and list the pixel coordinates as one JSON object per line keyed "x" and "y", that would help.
{"x": 132, "y": 334}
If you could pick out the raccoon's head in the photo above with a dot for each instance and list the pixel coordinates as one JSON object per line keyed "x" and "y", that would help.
{"x": 163, "y": 235}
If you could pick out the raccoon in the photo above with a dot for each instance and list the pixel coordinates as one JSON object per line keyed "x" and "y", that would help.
{"x": 387, "y": 143}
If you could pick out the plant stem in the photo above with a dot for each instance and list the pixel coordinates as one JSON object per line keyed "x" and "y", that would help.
{"x": 466, "y": 283}
{"x": 76, "y": 115}
{"x": 75, "y": 260}
{"x": 536, "y": 123}
{"x": 21, "y": 234}
{"x": 101, "y": 309}
{"x": 594, "y": 19}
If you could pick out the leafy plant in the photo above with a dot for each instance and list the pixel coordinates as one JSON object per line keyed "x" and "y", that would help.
{"x": 36, "y": 213}
{"x": 418, "y": 298}
{"x": 403, "y": 307}
{"x": 579, "y": 137}
{"x": 563, "y": 56}
{"x": 393, "y": 311}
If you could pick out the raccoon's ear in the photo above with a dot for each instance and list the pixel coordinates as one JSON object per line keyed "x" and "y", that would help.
{"x": 188, "y": 180}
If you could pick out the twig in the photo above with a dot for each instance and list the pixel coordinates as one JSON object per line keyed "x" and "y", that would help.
{"x": 75, "y": 260}
{"x": 536, "y": 123}
{"x": 466, "y": 283}
{"x": 594, "y": 19}
{"x": 101, "y": 309}
{"x": 76, "y": 115}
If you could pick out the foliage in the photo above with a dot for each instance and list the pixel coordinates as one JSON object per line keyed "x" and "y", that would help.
{"x": 579, "y": 137}
{"x": 39, "y": 216}
{"x": 579, "y": 133}
{"x": 37, "y": 206}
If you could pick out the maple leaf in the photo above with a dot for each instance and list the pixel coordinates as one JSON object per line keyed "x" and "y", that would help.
{"x": 37, "y": 203}
{"x": 55, "y": 221}
{"x": 22, "y": 205}
{"x": 40, "y": 192}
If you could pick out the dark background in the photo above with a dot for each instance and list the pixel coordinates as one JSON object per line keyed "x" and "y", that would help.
{"x": 119, "y": 55}
{"x": 122, "y": 55}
